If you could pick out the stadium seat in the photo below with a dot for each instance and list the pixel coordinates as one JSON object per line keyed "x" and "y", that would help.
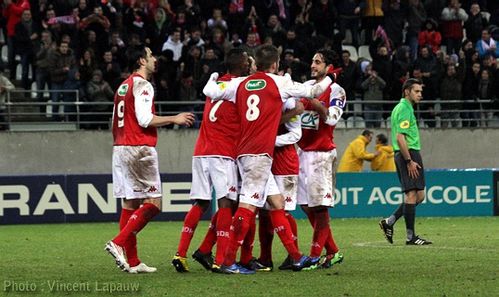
{"x": 2, "y": 37}
{"x": 341, "y": 124}
{"x": 364, "y": 52}
{"x": 356, "y": 122}
{"x": 352, "y": 50}
{"x": 19, "y": 73}
{"x": 33, "y": 90}
{"x": 443, "y": 48}
{"x": 5, "y": 56}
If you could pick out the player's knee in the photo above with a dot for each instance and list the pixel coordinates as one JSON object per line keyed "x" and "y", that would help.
{"x": 204, "y": 204}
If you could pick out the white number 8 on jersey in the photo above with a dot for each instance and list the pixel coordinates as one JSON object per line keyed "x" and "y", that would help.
{"x": 253, "y": 112}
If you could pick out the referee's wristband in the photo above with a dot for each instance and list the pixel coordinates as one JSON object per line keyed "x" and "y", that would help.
{"x": 408, "y": 161}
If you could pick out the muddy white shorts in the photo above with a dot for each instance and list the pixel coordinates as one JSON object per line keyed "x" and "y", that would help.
{"x": 213, "y": 173}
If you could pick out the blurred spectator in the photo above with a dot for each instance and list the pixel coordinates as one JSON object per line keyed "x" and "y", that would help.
{"x": 118, "y": 47}
{"x": 157, "y": 30}
{"x": 428, "y": 114}
{"x": 13, "y": 11}
{"x": 62, "y": 62}
{"x": 98, "y": 91}
{"x": 430, "y": 36}
{"x": 355, "y": 154}
{"x": 192, "y": 13}
{"x": 324, "y": 14}
{"x": 83, "y": 9}
{"x": 26, "y": 41}
{"x": 291, "y": 64}
{"x": 451, "y": 89}
{"x": 486, "y": 92}
{"x": 5, "y": 86}
{"x": 470, "y": 89}
{"x": 416, "y": 16}
{"x": 487, "y": 45}
{"x": 372, "y": 18}
{"x": 434, "y": 8}
{"x": 251, "y": 43}
{"x": 428, "y": 65}
{"x": 87, "y": 66}
{"x": 373, "y": 86}
{"x": 110, "y": 70}
{"x": 275, "y": 30}
{"x": 293, "y": 43}
{"x": 348, "y": 76}
{"x": 219, "y": 43}
{"x": 349, "y": 18}
{"x": 43, "y": 60}
{"x": 394, "y": 13}
{"x": 384, "y": 162}
{"x": 100, "y": 24}
{"x": 217, "y": 20}
{"x": 475, "y": 23}
{"x": 452, "y": 18}
{"x": 382, "y": 62}
{"x": 174, "y": 44}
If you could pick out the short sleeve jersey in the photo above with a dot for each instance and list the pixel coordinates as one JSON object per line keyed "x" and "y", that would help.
{"x": 316, "y": 134}
{"x": 220, "y": 128}
{"x": 134, "y": 99}
{"x": 404, "y": 121}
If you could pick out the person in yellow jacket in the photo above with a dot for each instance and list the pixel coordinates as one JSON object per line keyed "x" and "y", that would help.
{"x": 384, "y": 161}
{"x": 355, "y": 154}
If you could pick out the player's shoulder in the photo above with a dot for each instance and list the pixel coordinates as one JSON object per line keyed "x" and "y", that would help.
{"x": 140, "y": 83}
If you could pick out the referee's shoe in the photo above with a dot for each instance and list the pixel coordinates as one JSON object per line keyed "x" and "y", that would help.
{"x": 387, "y": 230}
{"x": 416, "y": 240}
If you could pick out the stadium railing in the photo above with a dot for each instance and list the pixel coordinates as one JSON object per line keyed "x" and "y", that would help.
{"x": 23, "y": 112}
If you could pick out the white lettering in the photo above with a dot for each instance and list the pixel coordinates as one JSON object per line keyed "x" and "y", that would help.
{"x": 168, "y": 197}
{"x": 21, "y": 203}
{"x": 430, "y": 197}
{"x": 86, "y": 191}
{"x": 481, "y": 191}
{"x": 447, "y": 196}
{"x": 376, "y": 195}
{"x": 355, "y": 196}
{"x": 62, "y": 202}
{"x": 397, "y": 197}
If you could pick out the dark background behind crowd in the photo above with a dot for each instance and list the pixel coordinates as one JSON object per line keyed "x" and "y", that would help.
{"x": 80, "y": 45}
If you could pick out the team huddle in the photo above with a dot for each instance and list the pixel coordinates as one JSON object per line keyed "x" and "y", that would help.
{"x": 265, "y": 145}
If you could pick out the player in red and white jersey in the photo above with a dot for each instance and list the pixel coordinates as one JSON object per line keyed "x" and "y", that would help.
{"x": 259, "y": 100}
{"x": 283, "y": 181}
{"x": 318, "y": 159}
{"x": 136, "y": 177}
{"x": 214, "y": 167}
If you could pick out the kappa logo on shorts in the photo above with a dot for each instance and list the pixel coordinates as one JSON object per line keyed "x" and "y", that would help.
{"x": 152, "y": 189}
{"x": 255, "y": 196}
{"x": 328, "y": 196}
{"x": 288, "y": 199}
{"x": 232, "y": 189}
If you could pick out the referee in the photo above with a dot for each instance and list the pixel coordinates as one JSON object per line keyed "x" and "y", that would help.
{"x": 405, "y": 138}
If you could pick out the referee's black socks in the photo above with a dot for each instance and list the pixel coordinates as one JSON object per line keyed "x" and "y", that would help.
{"x": 410, "y": 217}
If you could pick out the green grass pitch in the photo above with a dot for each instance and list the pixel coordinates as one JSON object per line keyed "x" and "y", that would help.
{"x": 68, "y": 259}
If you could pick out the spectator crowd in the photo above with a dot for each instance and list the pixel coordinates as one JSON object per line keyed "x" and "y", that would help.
{"x": 80, "y": 45}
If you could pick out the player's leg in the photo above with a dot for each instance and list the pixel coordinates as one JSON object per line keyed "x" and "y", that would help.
{"x": 191, "y": 221}
{"x": 128, "y": 207}
{"x": 246, "y": 257}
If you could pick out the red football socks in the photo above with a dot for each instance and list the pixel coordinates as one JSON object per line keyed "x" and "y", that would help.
{"x": 135, "y": 223}
{"x": 283, "y": 230}
{"x": 190, "y": 223}
{"x": 321, "y": 231}
{"x": 294, "y": 227}
{"x": 240, "y": 226}
{"x": 211, "y": 236}
{"x": 131, "y": 242}
{"x": 247, "y": 247}
{"x": 222, "y": 233}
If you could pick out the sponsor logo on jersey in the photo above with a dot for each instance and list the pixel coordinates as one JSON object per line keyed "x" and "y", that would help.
{"x": 404, "y": 124}
{"x": 222, "y": 85}
{"x": 310, "y": 120}
{"x": 122, "y": 90}
{"x": 255, "y": 84}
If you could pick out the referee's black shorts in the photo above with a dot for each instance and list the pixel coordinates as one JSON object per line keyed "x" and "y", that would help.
{"x": 408, "y": 183}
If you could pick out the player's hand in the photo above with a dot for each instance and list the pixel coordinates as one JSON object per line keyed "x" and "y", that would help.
{"x": 184, "y": 119}
{"x": 413, "y": 169}
{"x": 299, "y": 107}
{"x": 333, "y": 73}
{"x": 377, "y": 153}
{"x": 214, "y": 76}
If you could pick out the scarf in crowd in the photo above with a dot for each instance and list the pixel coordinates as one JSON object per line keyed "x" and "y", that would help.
{"x": 486, "y": 46}
{"x": 65, "y": 19}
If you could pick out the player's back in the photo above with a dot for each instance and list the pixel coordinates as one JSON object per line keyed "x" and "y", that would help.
{"x": 126, "y": 129}
{"x": 259, "y": 106}
{"x": 219, "y": 130}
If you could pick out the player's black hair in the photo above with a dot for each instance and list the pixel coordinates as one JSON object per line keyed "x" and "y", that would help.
{"x": 234, "y": 60}
{"x": 382, "y": 138}
{"x": 134, "y": 54}
{"x": 408, "y": 84}
{"x": 265, "y": 56}
{"x": 328, "y": 55}
{"x": 367, "y": 132}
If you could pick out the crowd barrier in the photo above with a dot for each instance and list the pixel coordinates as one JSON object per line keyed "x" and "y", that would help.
{"x": 89, "y": 198}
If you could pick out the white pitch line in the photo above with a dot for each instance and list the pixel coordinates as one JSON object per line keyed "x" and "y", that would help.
{"x": 377, "y": 244}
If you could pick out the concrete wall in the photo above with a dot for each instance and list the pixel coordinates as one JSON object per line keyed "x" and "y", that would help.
{"x": 90, "y": 151}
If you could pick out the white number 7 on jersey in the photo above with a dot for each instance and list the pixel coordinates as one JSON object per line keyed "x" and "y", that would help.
{"x": 253, "y": 112}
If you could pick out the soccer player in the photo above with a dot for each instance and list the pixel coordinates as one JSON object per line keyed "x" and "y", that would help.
{"x": 317, "y": 153}
{"x": 136, "y": 177}
{"x": 285, "y": 168}
{"x": 214, "y": 166}
{"x": 259, "y": 100}
{"x": 408, "y": 161}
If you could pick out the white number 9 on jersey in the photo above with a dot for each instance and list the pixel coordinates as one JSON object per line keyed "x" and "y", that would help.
{"x": 253, "y": 112}
{"x": 120, "y": 112}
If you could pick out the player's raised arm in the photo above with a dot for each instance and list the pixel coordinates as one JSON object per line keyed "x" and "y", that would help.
{"x": 222, "y": 90}
{"x": 295, "y": 89}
